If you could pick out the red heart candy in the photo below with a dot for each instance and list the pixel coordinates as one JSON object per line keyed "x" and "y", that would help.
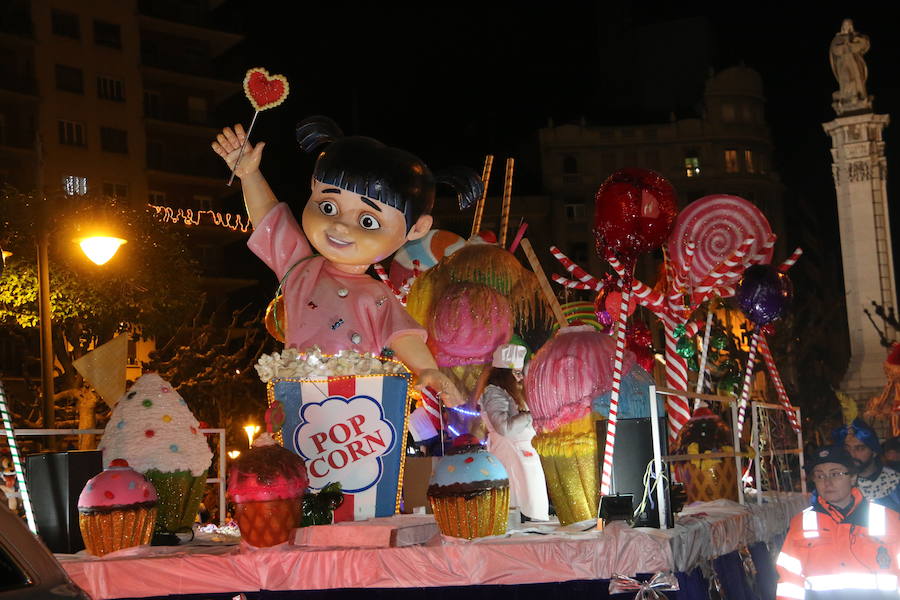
{"x": 264, "y": 90}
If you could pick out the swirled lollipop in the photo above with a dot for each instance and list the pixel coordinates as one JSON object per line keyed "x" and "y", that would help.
{"x": 717, "y": 225}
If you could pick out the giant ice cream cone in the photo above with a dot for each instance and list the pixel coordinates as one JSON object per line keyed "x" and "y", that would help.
{"x": 563, "y": 379}
{"x": 569, "y": 457}
{"x": 153, "y": 429}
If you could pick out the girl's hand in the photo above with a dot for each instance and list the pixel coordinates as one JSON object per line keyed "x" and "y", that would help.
{"x": 442, "y": 384}
{"x": 228, "y": 145}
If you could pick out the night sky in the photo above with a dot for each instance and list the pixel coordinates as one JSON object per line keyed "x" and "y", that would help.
{"x": 452, "y": 82}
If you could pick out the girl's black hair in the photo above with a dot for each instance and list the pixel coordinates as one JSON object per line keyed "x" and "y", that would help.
{"x": 388, "y": 175}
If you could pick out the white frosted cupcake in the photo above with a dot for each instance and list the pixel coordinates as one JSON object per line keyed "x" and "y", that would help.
{"x": 154, "y": 430}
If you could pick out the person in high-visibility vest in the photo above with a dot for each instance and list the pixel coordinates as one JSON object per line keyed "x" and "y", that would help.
{"x": 842, "y": 546}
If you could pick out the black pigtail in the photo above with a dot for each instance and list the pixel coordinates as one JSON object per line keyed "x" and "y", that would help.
{"x": 465, "y": 181}
{"x": 316, "y": 131}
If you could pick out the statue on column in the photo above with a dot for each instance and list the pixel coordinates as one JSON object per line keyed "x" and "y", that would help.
{"x": 849, "y": 68}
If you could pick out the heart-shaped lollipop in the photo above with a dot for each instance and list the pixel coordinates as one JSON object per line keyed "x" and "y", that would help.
{"x": 264, "y": 90}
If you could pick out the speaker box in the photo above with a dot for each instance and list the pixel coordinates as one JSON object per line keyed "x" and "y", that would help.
{"x": 55, "y": 480}
{"x": 634, "y": 451}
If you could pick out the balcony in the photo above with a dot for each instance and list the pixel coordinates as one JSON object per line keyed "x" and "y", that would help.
{"x": 188, "y": 164}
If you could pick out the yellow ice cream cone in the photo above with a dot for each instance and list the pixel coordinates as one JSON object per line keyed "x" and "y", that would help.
{"x": 569, "y": 457}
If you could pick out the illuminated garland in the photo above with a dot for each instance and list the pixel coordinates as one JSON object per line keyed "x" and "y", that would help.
{"x": 189, "y": 216}
{"x": 17, "y": 463}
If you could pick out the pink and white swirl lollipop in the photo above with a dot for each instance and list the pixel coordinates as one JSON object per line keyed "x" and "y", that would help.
{"x": 718, "y": 225}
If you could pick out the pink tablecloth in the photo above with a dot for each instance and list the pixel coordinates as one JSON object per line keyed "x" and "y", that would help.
{"x": 704, "y": 532}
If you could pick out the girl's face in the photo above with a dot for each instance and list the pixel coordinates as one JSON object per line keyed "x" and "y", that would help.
{"x": 352, "y": 231}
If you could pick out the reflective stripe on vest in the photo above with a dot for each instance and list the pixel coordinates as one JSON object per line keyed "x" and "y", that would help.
{"x": 885, "y": 582}
{"x": 790, "y": 590}
{"x": 810, "y": 523}
{"x": 877, "y": 520}
{"x": 790, "y": 563}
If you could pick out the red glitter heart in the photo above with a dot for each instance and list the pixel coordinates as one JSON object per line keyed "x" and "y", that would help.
{"x": 264, "y": 90}
{"x": 470, "y": 459}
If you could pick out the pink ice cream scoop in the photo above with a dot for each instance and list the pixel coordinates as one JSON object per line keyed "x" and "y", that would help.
{"x": 468, "y": 324}
{"x": 568, "y": 372}
{"x": 117, "y": 485}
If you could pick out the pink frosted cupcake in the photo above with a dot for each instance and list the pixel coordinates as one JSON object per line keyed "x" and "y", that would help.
{"x": 267, "y": 484}
{"x": 116, "y": 509}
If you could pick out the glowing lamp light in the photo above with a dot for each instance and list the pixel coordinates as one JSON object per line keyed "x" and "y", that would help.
{"x": 6, "y": 254}
{"x": 251, "y": 430}
{"x": 233, "y": 454}
{"x": 100, "y": 248}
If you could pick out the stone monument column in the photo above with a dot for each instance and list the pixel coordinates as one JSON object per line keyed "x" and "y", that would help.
{"x": 860, "y": 180}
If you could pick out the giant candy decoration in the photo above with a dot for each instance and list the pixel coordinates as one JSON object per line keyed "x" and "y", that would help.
{"x": 350, "y": 430}
{"x": 633, "y": 213}
{"x": 263, "y": 91}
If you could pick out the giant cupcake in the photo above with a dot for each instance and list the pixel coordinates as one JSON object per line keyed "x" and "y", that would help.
{"x": 153, "y": 429}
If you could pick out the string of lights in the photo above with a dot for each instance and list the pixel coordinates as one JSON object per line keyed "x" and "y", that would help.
{"x": 189, "y": 216}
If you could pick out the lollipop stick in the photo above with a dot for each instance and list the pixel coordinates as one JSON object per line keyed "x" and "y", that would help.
{"x": 519, "y": 235}
{"x": 704, "y": 352}
{"x": 748, "y": 374}
{"x": 609, "y": 450}
{"x": 241, "y": 150}
{"x": 479, "y": 208}
{"x": 544, "y": 284}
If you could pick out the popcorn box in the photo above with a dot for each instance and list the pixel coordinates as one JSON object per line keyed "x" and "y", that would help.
{"x": 349, "y": 429}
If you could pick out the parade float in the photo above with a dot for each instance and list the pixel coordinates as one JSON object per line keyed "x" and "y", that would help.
{"x": 339, "y": 409}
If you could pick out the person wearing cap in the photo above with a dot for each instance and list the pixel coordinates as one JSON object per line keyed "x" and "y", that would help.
{"x": 890, "y": 453}
{"x": 510, "y": 431}
{"x": 843, "y": 546}
{"x": 877, "y": 482}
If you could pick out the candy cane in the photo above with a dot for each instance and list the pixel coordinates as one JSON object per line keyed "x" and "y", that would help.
{"x": 17, "y": 463}
{"x": 730, "y": 267}
{"x": 576, "y": 285}
{"x": 703, "y": 354}
{"x": 614, "y": 398}
{"x": 776, "y": 381}
{"x": 676, "y": 379}
{"x": 432, "y": 406}
{"x": 748, "y": 374}
{"x": 789, "y": 262}
{"x": 382, "y": 274}
{"x": 573, "y": 268}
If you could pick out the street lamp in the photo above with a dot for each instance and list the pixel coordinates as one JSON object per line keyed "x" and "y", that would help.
{"x": 105, "y": 250}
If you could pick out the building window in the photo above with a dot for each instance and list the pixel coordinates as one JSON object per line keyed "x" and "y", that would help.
{"x": 156, "y": 198}
{"x": 107, "y": 34}
{"x": 651, "y": 159}
{"x": 731, "y": 161}
{"x": 114, "y": 140}
{"x": 115, "y": 190}
{"x": 65, "y": 24}
{"x": 73, "y": 185}
{"x": 569, "y": 165}
{"x": 728, "y": 112}
{"x": 203, "y": 202}
{"x": 631, "y": 159}
{"x": 69, "y": 79}
{"x": 578, "y": 252}
{"x": 71, "y": 133}
{"x": 151, "y": 105}
{"x": 155, "y": 155}
{"x": 692, "y": 164}
{"x": 574, "y": 212}
{"x": 110, "y": 89}
{"x": 197, "y": 112}
{"x": 749, "y": 165}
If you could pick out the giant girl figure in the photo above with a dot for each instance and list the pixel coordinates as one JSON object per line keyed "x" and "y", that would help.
{"x": 367, "y": 200}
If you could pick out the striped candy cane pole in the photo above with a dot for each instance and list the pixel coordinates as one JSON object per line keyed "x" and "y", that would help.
{"x": 704, "y": 353}
{"x": 383, "y": 276}
{"x": 17, "y": 463}
{"x": 787, "y": 264}
{"x": 605, "y": 481}
{"x": 776, "y": 381}
{"x": 678, "y": 408}
{"x": 432, "y": 406}
{"x": 748, "y": 374}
